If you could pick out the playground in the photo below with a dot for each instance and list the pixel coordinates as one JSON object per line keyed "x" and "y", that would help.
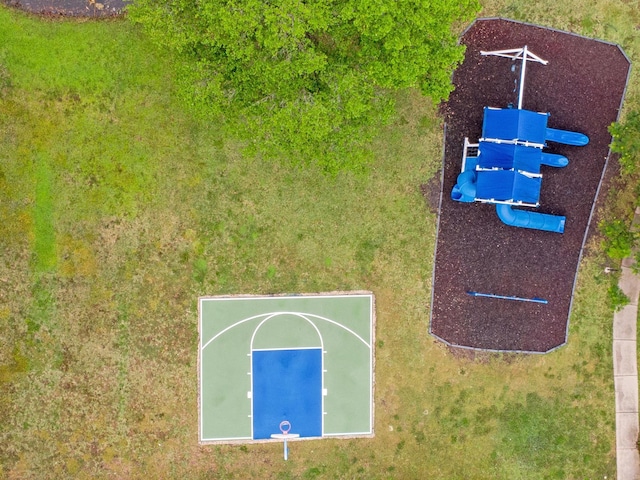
{"x": 497, "y": 286}
{"x": 302, "y": 361}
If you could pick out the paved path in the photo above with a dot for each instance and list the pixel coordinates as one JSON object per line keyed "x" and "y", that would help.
{"x": 625, "y": 373}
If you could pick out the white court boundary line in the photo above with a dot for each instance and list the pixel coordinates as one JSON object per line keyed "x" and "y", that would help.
{"x": 283, "y": 348}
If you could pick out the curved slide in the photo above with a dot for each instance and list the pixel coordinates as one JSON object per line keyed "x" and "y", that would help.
{"x": 465, "y": 189}
{"x": 526, "y": 219}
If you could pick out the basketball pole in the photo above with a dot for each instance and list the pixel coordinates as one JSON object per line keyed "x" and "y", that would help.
{"x": 522, "y": 74}
{"x": 286, "y": 449}
{"x": 284, "y": 434}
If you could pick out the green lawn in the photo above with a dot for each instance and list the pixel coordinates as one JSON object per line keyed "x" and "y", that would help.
{"x": 118, "y": 209}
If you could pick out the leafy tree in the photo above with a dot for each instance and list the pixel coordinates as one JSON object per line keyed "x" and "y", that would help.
{"x": 308, "y": 79}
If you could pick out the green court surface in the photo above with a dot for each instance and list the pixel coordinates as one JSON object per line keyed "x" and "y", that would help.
{"x": 305, "y": 359}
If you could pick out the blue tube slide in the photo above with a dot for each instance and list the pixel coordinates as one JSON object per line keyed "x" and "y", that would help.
{"x": 526, "y": 219}
{"x": 565, "y": 136}
{"x": 465, "y": 189}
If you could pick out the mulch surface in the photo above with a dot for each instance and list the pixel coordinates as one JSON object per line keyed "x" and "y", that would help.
{"x": 582, "y": 87}
{"x": 71, "y": 8}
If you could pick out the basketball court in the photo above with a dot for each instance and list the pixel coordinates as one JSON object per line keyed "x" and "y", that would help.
{"x": 302, "y": 361}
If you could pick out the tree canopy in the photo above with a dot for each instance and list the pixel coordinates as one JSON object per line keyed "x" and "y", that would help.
{"x": 308, "y": 79}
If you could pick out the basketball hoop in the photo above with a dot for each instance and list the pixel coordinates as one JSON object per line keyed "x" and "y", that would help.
{"x": 285, "y": 428}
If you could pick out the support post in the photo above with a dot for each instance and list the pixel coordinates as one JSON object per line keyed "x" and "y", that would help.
{"x": 522, "y": 74}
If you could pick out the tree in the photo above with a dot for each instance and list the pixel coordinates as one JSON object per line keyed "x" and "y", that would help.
{"x": 308, "y": 79}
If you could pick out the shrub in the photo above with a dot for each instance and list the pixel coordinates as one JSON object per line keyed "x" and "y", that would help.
{"x": 616, "y": 297}
{"x": 618, "y": 240}
{"x": 626, "y": 142}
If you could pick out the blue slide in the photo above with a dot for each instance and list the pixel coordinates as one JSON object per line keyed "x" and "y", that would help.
{"x": 465, "y": 189}
{"x": 526, "y": 219}
{"x": 565, "y": 136}
{"x": 554, "y": 160}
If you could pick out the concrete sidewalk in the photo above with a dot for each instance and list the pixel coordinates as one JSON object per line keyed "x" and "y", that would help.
{"x": 625, "y": 373}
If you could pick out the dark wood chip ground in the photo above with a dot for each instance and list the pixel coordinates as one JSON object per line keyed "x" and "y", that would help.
{"x": 582, "y": 88}
{"x": 71, "y": 8}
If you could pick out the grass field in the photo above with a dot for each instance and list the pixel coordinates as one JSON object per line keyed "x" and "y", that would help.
{"x": 118, "y": 210}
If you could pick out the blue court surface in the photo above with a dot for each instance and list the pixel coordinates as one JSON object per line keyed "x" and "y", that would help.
{"x": 287, "y": 385}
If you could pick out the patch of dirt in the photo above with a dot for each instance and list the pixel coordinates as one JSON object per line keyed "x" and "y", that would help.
{"x": 582, "y": 88}
{"x": 431, "y": 193}
{"x": 71, "y": 8}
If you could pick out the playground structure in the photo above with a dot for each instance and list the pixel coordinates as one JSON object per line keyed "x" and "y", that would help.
{"x": 504, "y": 167}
